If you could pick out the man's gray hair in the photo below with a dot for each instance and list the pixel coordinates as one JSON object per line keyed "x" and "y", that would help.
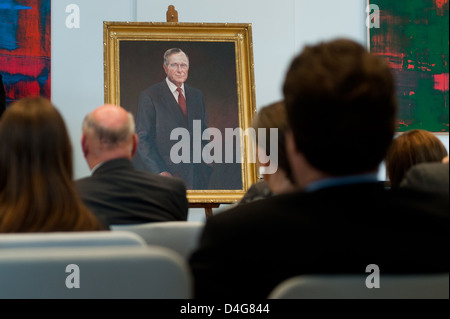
{"x": 107, "y": 136}
{"x": 170, "y": 52}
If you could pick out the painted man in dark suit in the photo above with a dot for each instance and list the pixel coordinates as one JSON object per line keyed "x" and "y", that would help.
{"x": 116, "y": 191}
{"x": 161, "y": 117}
{"x": 341, "y": 108}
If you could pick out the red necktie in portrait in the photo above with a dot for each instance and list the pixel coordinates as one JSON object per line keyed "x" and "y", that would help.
{"x": 182, "y": 101}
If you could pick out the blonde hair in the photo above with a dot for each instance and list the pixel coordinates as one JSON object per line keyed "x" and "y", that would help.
{"x": 411, "y": 148}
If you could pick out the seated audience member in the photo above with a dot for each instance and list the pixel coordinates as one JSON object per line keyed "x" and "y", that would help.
{"x": 432, "y": 177}
{"x": 37, "y": 193}
{"x": 340, "y": 102}
{"x": 117, "y": 192}
{"x": 280, "y": 181}
{"x": 411, "y": 148}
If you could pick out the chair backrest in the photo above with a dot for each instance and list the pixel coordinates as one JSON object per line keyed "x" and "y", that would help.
{"x": 70, "y": 239}
{"x": 121, "y": 272}
{"x": 408, "y": 286}
{"x": 180, "y": 236}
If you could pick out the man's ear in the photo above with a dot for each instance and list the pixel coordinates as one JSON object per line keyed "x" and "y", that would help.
{"x": 293, "y": 155}
{"x": 84, "y": 145}
{"x": 165, "y": 68}
{"x": 135, "y": 144}
{"x": 291, "y": 148}
{"x": 302, "y": 171}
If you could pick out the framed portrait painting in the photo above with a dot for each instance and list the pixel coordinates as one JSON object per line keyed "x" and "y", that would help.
{"x": 190, "y": 88}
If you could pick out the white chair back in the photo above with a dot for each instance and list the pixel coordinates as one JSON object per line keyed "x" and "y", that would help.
{"x": 180, "y": 236}
{"x": 69, "y": 239}
{"x": 120, "y": 272}
{"x": 410, "y": 286}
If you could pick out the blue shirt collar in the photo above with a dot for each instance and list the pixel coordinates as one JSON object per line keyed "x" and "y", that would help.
{"x": 340, "y": 181}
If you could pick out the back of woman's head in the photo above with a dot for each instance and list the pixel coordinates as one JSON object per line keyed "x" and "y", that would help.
{"x": 274, "y": 116}
{"x": 36, "y": 179}
{"x": 411, "y": 148}
{"x": 34, "y": 141}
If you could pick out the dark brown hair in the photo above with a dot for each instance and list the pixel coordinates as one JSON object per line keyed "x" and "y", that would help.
{"x": 274, "y": 116}
{"x": 37, "y": 193}
{"x": 411, "y": 148}
{"x": 341, "y": 107}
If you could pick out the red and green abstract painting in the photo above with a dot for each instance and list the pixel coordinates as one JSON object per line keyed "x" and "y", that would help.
{"x": 25, "y": 48}
{"x": 413, "y": 36}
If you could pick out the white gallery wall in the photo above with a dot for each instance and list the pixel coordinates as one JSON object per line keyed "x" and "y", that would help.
{"x": 280, "y": 30}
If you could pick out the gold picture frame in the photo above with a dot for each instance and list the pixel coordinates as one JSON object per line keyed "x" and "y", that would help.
{"x": 220, "y": 64}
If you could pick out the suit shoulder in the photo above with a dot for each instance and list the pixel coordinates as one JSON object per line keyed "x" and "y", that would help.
{"x": 173, "y": 181}
{"x": 152, "y": 89}
{"x": 433, "y": 167}
{"x": 82, "y": 181}
{"x": 193, "y": 90}
{"x": 85, "y": 185}
{"x": 258, "y": 209}
{"x": 164, "y": 181}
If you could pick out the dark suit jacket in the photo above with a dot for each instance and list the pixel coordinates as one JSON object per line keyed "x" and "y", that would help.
{"x": 432, "y": 177}
{"x": 258, "y": 190}
{"x": 245, "y": 251}
{"x": 157, "y": 116}
{"x": 120, "y": 194}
